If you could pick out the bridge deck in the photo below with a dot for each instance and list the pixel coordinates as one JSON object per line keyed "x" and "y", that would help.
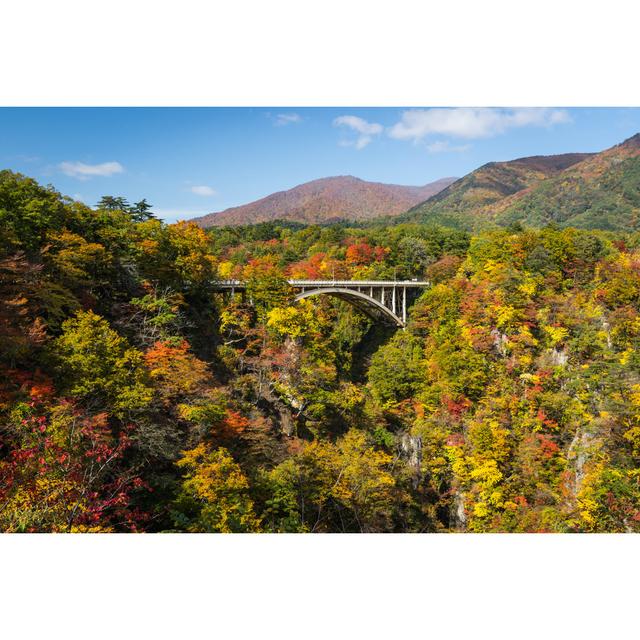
{"x": 239, "y": 284}
{"x": 358, "y": 283}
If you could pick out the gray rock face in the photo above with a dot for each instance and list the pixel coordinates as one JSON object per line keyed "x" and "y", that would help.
{"x": 500, "y": 342}
{"x": 582, "y": 447}
{"x": 559, "y": 358}
{"x": 458, "y": 515}
{"x": 411, "y": 447}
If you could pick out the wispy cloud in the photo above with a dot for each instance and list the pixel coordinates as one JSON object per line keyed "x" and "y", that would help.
{"x": 472, "y": 123}
{"x": 203, "y": 190}
{"x": 28, "y": 158}
{"x": 83, "y": 171}
{"x": 365, "y": 130}
{"x": 444, "y": 146}
{"x": 282, "y": 119}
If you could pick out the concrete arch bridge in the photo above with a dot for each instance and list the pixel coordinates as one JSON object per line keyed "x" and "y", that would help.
{"x": 385, "y": 301}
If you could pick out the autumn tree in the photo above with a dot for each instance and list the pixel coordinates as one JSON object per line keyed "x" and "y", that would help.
{"x": 98, "y": 366}
{"x": 214, "y": 496}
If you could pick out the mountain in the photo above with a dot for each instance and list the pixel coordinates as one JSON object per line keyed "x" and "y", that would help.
{"x": 601, "y": 192}
{"x": 459, "y": 204}
{"x": 586, "y": 190}
{"x": 328, "y": 199}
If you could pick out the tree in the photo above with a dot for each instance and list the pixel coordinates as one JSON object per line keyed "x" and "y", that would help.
{"x": 65, "y": 472}
{"x": 113, "y": 203}
{"x": 21, "y": 327}
{"x": 214, "y": 496}
{"x": 75, "y": 261}
{"x": 266, "y": 285}
{"x": 360, "y": 253}
{"x": 343, "y": 487}
{"x": 414, "y": 256}
{"x": 395, "y": 370}
{"x": 141, "y": 211}
{"x": 28, "y": 212}
{"x": 98, "y": 366}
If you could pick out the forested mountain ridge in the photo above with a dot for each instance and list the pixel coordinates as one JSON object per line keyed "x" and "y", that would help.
{"x": 601, "y": 192}
{"x": 133, "y": 397}
{"x": 488, "y": 184}
{"x": 327, "y": 200}
{"x": 592, "y": 191}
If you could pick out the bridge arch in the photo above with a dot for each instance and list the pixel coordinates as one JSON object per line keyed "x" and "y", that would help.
{"x": 361, "y": 301}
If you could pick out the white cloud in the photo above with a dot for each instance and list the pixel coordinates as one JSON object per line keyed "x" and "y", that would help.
{"x": 471, "y": 123}
{"x": 203, "y": 190}
{"x": 442, "y": 146}
{"x": 366, "y": 130}
{"x": 83, "y": 171}
{"x": 283, "y": 119}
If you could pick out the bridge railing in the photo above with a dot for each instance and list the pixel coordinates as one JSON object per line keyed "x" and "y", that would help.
{"x": 358, "y": 283}
{"x": 336, "y": 283}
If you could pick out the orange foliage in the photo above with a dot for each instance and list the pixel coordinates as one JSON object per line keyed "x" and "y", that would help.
{"x": 311, "y": 269}
{"x": 174, "y": 370}
{"x": 361, "y": 253}
{"x": 233, "y": 424}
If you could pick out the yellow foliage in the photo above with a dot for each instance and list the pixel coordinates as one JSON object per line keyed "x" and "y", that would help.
{"x": 528, "y": 287}
{"x": 505, "y": 315}
{"x": 556, "y": 334}
{"x": 216, "y": 488}
{"x": 225, "y": 269}
{"x": 286, "y": 321}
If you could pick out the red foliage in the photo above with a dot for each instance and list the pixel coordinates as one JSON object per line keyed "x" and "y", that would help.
{"x": 455, "y": 440}
{"x": 15, "y": 383}
{"x": 455, "y": 407}
{"x": 380, "y": 253}
{"x": 162, "y": 353}
{"x": 81, "y": 467}
{"x": 521, "y": 501}
{"x": 547, "y": 446}
{"x": 361, "y": 253}
{"x": 311, "y": 268}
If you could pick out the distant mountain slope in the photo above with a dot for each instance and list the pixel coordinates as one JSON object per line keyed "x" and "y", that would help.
{"x": 327, "y": 199}
{"x": 601, "y": 192}
{"x": 492, "y": 182}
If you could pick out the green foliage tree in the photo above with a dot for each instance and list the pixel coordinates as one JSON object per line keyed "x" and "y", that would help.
{"x": 98, "y": 365}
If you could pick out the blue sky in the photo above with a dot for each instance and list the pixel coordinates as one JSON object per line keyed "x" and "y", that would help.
{"x": 192, "y": 161}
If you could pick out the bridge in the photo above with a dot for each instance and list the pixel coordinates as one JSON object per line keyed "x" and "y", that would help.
{"x": 385, "y": 301}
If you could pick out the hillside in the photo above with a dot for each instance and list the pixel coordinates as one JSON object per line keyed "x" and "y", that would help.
{"x": 492, "y": 182}
{"x": 601, "y": 192}
{"x": 327, "y": 199}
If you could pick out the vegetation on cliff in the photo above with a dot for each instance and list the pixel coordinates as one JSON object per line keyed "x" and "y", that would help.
{"x": 133, "y": 397}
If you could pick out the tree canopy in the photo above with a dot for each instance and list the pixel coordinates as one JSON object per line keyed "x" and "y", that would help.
{"x": 135, "y": 397}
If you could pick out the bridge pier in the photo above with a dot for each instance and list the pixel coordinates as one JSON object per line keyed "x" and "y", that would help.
{"x": 404, "y": 305}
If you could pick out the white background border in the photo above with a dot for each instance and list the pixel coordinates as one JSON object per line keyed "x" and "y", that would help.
{"x": 320, "y": 53}
{"x": 285, "y": 53}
